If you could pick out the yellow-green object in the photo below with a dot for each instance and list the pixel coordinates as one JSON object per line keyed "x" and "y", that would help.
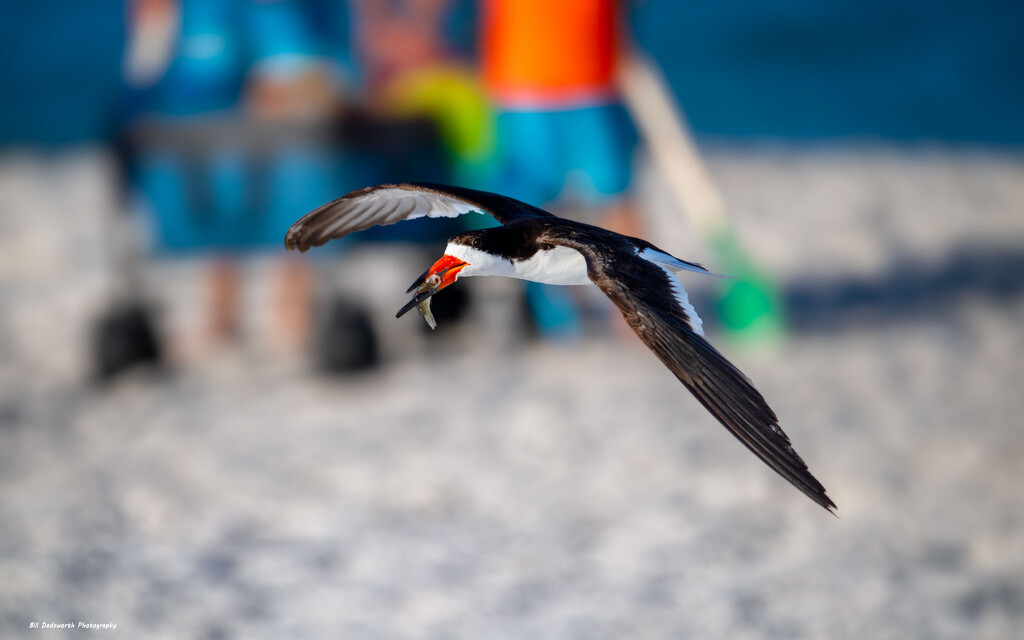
{"x": 452, "y": 97}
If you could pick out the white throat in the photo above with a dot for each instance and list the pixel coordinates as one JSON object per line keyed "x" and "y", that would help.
{"x": 559, "y": 265}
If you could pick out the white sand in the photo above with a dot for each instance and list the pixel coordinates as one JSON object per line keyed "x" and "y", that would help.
{"x": 498, "y": 490}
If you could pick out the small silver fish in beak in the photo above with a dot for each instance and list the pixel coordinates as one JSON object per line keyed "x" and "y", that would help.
{"x": 437, "y": 277}
{"x": 421, "y": 300}
{"x": 424, "y": 307}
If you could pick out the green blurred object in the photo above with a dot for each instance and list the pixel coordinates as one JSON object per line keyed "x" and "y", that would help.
{"x": 454, "y": 99}
{"x": 749, "y": 305}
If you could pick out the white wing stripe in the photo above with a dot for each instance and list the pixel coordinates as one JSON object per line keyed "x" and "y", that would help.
{"x": 679, "y": 293}
{"x": 665, "y": 260}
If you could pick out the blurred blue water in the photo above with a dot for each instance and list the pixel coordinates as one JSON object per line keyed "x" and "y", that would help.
{"x": 59, "y": 69}
{"x": 903, "y": 69}
{"x": 948, "y": 70}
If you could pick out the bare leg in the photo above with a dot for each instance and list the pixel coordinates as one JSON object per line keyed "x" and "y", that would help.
{"x": 224, "y": 292}
{"x": 293, "y": 306}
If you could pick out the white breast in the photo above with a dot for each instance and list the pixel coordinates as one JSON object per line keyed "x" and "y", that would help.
{"x": 559, "y": 265}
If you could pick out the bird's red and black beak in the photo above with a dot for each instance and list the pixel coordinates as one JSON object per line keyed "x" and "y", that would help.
{"x": 440, "y": 275}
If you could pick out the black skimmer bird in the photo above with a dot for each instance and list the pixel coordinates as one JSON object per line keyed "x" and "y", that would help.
{"x": 533, "y": 244}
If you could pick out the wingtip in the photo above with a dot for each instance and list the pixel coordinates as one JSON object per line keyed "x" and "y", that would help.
{"x": 293, "y": 241}
{"x": 825, "y": 502}
{"x": 831, "y": 507}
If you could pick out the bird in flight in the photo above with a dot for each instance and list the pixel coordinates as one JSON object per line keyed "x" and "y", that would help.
{"x": 533, "y": 244}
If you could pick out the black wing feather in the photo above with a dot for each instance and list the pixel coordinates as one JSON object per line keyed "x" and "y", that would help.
{"x": 643, "y": 292}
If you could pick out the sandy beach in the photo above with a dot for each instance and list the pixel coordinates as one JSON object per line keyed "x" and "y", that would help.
{"x": 482, "y": 486}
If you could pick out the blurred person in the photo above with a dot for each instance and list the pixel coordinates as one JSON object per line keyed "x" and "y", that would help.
{"x": 219, "y": 87}
{"x": 562, "y": 134}
{"x": 289, "y": 83}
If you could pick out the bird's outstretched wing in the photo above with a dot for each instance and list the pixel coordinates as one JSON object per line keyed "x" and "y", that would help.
{"x": 655, "y": 305}
{"x": 390, "y": 203}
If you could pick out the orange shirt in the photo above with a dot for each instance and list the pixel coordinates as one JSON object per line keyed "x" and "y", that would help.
{"x": 549, "y": 52}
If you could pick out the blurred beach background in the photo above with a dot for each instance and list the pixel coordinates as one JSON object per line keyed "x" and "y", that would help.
{"x": 203, "y": 437}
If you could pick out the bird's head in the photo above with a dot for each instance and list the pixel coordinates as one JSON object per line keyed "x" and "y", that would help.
{"x": 441, "y": 274}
